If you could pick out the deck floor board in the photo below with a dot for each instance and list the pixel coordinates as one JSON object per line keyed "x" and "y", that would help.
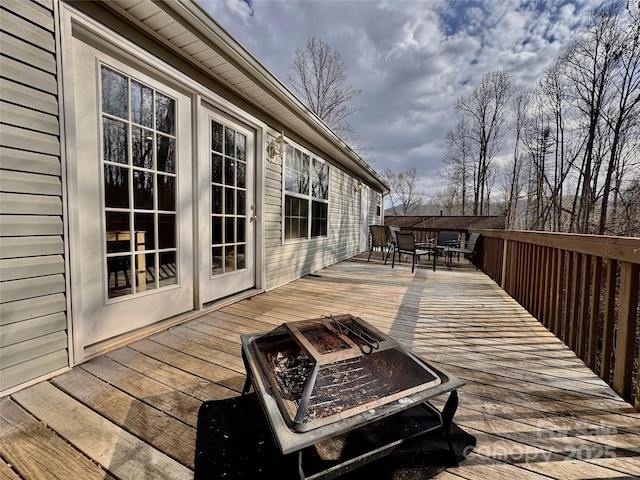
{"x": 537, "y": 411}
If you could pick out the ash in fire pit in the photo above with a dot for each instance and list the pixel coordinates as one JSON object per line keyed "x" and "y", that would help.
{"x": 326, "y": 369}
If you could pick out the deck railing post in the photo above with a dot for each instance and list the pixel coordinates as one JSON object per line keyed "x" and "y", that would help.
{"x": 505, "y": 259}
{"x": 626, "y": 333}
{"x": 592, "y": 348}
{"x": 609, "y": 320}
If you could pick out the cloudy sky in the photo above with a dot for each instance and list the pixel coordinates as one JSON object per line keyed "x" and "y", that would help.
{"x": 411, "y": 59}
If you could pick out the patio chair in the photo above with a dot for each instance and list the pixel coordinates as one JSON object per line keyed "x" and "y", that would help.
{"x": 407, "y": 245}
{"x": 469, "y": 248}
{"x": 379, "y": 239}
{"x": 393, "y": 241}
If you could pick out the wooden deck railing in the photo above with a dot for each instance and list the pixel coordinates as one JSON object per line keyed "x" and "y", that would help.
{"x": 583, "y": 288}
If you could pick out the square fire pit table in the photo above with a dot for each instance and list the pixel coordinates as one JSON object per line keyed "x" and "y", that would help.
{"x": 341, "y": 393}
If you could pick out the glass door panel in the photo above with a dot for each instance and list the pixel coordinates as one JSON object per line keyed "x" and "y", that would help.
{"x": 138, "y": 124}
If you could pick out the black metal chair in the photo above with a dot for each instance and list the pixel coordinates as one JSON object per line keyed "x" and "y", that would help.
{"x": 407, "y": 245}
{"x": 468, "y": 250}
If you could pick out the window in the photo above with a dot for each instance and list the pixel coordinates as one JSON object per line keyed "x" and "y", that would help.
{"x": 306, "y": 195}
{"x": 139, "y": 185}
{"x": 229, "y": 215}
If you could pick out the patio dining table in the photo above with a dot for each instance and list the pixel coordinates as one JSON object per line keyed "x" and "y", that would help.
{"x": 434, "y": 249}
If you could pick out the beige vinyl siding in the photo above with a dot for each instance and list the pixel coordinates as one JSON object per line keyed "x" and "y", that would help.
{"x": 33, "y": 320}
{"x": 291, "y": 260}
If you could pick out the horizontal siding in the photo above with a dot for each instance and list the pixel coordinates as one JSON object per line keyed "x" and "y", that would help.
{"x": 284, "y": 263}
{"x": 12, "y": 312}
{"x": 18, "y": 94}
{"x": 32, "y": 162}
{"x": 34, "y": 368}
{"x": 24, "y": 225}
{"x": 24, "y": 182}
{"x": 13, "y": 333}
{"x": 18, "y": 49}
{"x": 15, "y": 203}
{"x": 26, "y": 118}
{"x": 13, "y": 247}
{"x": 22, "y": 352}
{"x": 25, "y": 74}
{"x": 33, "y": 320}
{"x": 20, "y": 268}
{"x": 22, "y": 19}
{"x": 32, "y": 287}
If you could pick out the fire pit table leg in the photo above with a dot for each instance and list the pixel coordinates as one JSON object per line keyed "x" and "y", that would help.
{"x": 448, "y": 412}
{"x": 247, "y": 382}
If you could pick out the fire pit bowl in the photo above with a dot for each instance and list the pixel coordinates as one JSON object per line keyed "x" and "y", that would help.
{"x": 332, "y": 385}
{"x": 324, "y": 370}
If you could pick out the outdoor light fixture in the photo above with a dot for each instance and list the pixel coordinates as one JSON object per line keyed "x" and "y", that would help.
{"x": 358, "y": 187}
{"x": 275, "y": 148}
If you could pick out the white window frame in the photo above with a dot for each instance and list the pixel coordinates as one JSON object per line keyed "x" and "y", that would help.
{"x": 289, "y": 151}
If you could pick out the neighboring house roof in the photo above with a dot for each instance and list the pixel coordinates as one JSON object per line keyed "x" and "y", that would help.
{"x": 460, "y": 223}
{"x": 186, "y": 29}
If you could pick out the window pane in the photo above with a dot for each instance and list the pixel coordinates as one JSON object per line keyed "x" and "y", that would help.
{"x": 118, "y": 233}
{"x": 240, "y": 257}
{"x": 166, "y": 193}
{"x": 295, "y": 217}
{"x": 229, "y": 230}
{"x": 240, "y": 206}
{"x": 165, "y": 114}
{"x": 115, "y": 97}
{"x": 229, "y": 142}
{"x": 241, "y": 146}
{"x": 241, "y": 174}
{"x": 167, "y": 271}
{"x": 142, "y": 147}
{"x": 240, "y": 236}
{"x": 116, "y": 186}
{"x": 216, "y": 200}
{"x": 216, "y": 137}
{"x": 216, "y": 261}
{"x": 145, "y": 272}
{"x": 229, "y": 258}
{"x": 288, "y": 180}
{"x": 320, "y": 180}
{"x": 114, "y": 141}
{"x": 119, "y": 276}
{"x": 216, "y": 230}
{"x": 229, "y": 172}
{"x": 166, "y": 154}
{"x": 216, "y": 168}
{"x": 229, "y": 204}
{"x": 145, "y": 231}
{"x": 141, "y": 104}
{"x": 319, "y": 219}
{"x": 166, "y": 230}
{"x": 143, "y": 190}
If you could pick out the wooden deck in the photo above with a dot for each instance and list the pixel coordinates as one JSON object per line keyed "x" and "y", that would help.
{"x": 537, "y": 412}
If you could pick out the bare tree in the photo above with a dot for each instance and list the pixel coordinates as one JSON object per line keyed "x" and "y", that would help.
{"x": 403, "y": 187}
{"x": 458, "y": 171}
{"x": 320, "y": 77}
{"x": 514, "y": 175}
{"x": 485, "y": 108}
{"x": 624, "y": 111}
{"x": 589, "y": 64}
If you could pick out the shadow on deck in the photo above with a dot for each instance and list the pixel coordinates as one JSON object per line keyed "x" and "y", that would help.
{"x": 537, "y": 412}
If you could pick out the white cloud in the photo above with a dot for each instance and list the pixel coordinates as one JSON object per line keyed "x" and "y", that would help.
{"x": 411, "y": 59}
